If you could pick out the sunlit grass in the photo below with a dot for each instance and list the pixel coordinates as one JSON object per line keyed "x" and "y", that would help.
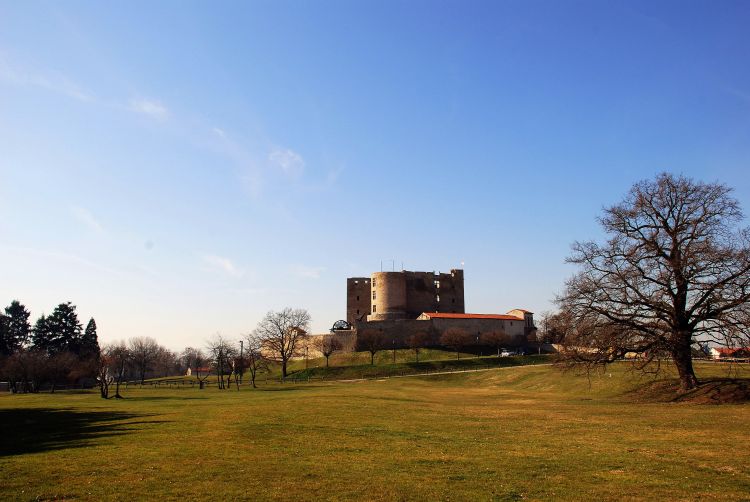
{"x": 514, "y": 433}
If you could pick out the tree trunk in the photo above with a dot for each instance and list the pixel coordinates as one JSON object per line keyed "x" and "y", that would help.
{"x": 372, "y": 358}
{"x": 683, "y": 359}
{"x": 283, "y": 368}
{"x": 326, "y": 361}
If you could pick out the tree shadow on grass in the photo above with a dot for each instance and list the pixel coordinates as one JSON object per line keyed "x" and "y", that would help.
{"x": 709, "y": 391}
{"x": 34, "y": 430}
{"x": 161, "y": 398}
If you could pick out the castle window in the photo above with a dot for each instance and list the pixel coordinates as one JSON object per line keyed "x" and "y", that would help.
{"x": 437, "y": 284}
{"x": 374, "y": 308}
{"x": 373, "y": 295}
{"x": 373, "y": 283}
{"x": 453, "y": 300}
{"x": 357, "y": 311}
{"x": 437, "y": 298}
{"x": 357, "y": 298}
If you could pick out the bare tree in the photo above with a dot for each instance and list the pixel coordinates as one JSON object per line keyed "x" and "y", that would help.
{"x": 222, "y": 355}
{"x": 456, "y": 339}
{"x": 253, "y": 359}
{"x": 372, "y": 341}
{"x": 25, "y": 370}
{"x": 188, "y": 358}
{"x": 557, "y": 327}
{"x": 59, "y": 367}
{"x": 104, "y": 374}
{"x": 675, "y": 270}
{"x": 327, "y": 345}
{"x": 495, "y": 339}
{"x": 118, "y": 355}
{"x": 143, "y": 351}
{"x": 417, "y": 342}
{"x": 281, "y": 333}
{"x": 165, "y": 362}
{"x": 202, "y": 368}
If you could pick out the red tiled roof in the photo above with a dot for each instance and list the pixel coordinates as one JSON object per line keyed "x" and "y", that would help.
{"x": 729, "y": 352}
{"x": 449, "y": 315}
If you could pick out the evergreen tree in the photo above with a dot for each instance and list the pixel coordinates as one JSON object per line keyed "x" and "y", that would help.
{"x": 17, "y": 327}
{"x": 89, "y": 347}
{"x": 5, "y": 341}
{"x": 40, "y": 338}
{"x": 60, "y": 331}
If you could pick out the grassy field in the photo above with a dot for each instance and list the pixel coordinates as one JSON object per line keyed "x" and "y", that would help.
{"x": 506, "y": 434}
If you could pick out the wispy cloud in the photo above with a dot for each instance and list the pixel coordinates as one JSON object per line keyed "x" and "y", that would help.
{"x": 149, "y": 107}
{"x": 290, "y": 162}
{"x": 306, "y": 272}
{"x": 54, "y": 81}
{"x": 84, "y": 216}
{"x": 223, "y": 264}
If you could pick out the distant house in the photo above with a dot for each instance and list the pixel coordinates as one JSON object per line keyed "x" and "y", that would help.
{"x": 729, "y": 353}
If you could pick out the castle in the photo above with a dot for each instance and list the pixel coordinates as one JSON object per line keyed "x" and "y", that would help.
{"x": 386, "y": 296}
{"x": 397, "y": 305}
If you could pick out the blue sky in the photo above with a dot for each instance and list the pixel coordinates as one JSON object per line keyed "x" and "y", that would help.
{"x": 177, "y": 169}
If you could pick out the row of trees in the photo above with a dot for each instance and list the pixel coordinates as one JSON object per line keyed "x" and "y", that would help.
{"x": 56, "y": 350}
{"x": 456, "y": 339}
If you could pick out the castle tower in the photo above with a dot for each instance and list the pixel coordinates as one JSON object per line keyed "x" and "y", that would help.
{"x": 388, "y": 296}
{"x": 357, "y": 299}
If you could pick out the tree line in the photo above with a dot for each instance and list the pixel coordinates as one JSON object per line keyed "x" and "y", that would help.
{"x": 57, "y": 350}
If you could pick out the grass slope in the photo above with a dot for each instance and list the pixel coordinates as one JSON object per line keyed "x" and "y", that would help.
{"x": 508, "y": 434}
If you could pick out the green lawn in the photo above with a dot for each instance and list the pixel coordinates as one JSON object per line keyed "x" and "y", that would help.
{"x": 507, "y": 434}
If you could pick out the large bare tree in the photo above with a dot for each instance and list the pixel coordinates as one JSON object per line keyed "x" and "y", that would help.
{"x": 675, "y": 270}
{"x": 281, "y": 333}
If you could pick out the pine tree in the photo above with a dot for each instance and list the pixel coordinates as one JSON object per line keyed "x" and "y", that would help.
{"x": 5, "y": 341}
{"x": 40, "y": 338}
{"x": 89, "y": 348}
{"x": 60, "y": 331}
{"x": 17, "y": 327}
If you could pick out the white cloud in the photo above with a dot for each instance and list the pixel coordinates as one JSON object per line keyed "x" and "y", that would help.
{"x": 150, "y": 107}
{"x": 290, "y": 162}
{"x": 224, "y": 265}
{"x": 219, "y": 132}
{"x": 306, "y": 272}
{"x": 54, "y": 82}
{"x": 84, "y": 216}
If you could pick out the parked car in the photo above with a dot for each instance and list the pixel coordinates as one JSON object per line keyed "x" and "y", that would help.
{"x": 506, "y": 353}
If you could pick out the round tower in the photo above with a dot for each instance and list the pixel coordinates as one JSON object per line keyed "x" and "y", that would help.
{"x": 388, "y": 296}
